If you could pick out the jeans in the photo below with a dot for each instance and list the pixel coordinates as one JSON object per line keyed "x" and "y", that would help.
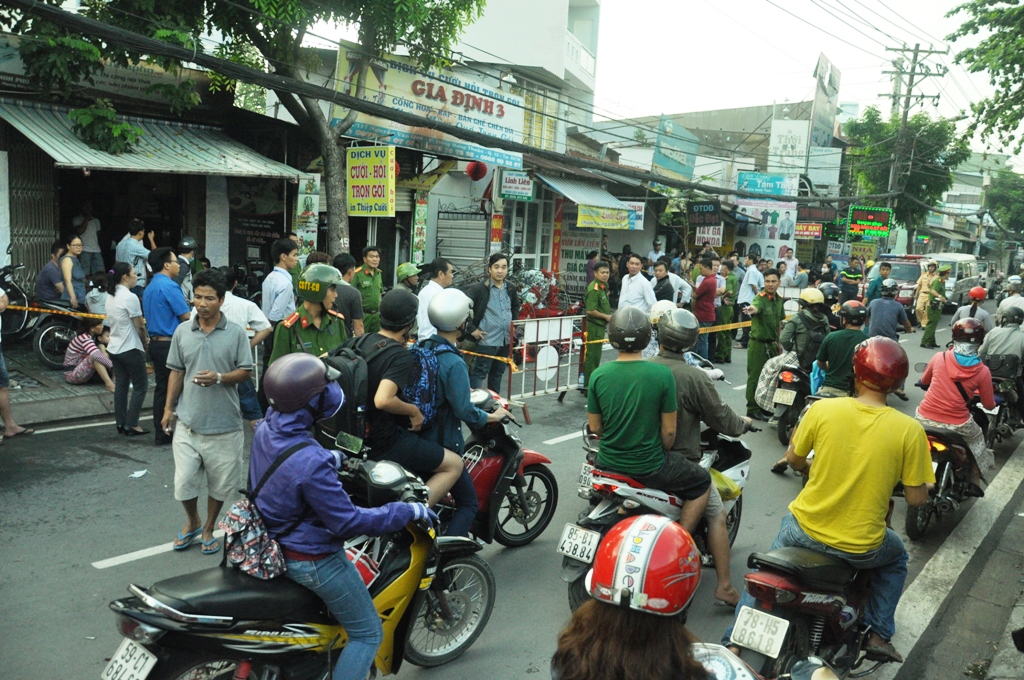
{"x": 489, "y": 368}
{"x": 337, "y": 582}
{"x": 248, "y": 400}
{"x": 158, "y": 351}
{"x": 702, "y": 340}
{"x": 466, "y": 505}
{"x": 129, "y": 366}
{"x": 91, "y": 263}
{"x": 888, "y": 565}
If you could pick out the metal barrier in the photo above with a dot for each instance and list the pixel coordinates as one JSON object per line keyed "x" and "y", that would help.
{"x": 547, "y": 352}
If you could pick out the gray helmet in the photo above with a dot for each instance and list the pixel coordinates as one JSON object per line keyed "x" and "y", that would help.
{"x": 678, "y": 331}
{"x": 1013, "y": 316}
{"x": 294, "y": 380}
{"x": 449, "y": 309}
{"x": 629, "y": 329}
{"x": 889, "y": 288}
{"x": 187, "y": 244}
{"x": 398, "y": 309}
{"x": 1014, "y": 287}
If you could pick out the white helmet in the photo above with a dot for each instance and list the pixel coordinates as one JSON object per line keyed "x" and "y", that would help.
{"x": 660, "y": 308}
{"x": 449, "y": 309}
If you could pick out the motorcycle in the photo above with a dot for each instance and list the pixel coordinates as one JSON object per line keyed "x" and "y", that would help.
{"x": 434, "y": 597}
{"x": 1005, "y": 418}
{"x": 516, "y": 491}
{"x": 613, "y": 497}
{"x": 793, "y": 387}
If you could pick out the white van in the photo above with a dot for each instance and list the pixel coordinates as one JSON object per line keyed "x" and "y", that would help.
{"x": 963, "y": 275}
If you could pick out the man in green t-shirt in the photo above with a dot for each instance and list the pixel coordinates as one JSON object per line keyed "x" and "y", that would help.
{"x": 631, "y": 406}
{"x": 835, "y": 356}
{"x": 936, "y": 299}
{"x": 599, "y": 311}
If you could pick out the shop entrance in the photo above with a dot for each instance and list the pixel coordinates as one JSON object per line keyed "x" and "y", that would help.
{"x": 531, "y": 225}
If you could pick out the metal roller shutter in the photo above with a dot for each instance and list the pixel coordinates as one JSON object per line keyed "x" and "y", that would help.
{"x": 32, "y": 186}
{"x": 404, "y": 200}
{"x": 463, "y": 238}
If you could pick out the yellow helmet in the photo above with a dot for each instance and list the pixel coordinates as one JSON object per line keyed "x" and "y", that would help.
{"x": 869, "y": 264}
{"x": 812, "y": 296}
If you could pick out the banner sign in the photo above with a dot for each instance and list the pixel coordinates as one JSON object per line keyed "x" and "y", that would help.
{"x": 419, "y": 227}
{"x": 307, "y": 211}
{"x": 516, "y": 186}
{"x": 593, "y": 217}
{"x": 371, "y": 181}
{"x": 636, "y": 214}
{"x": 711, "y": 235}
{"x": 768, "y": 183}
{"x": 675, "y": 150}
{"x": 835, "y": 248}
{"x": 556, "y": 236}
{"x": 863, "y": 251}
{"x": 787, "y": 151}
{"x": 497, "y": 232}
{"x": 703, "y": 213}
{"x": 869, "y": 222}
{"x": 814, "y": 213}
{"x": 808, "y": 230}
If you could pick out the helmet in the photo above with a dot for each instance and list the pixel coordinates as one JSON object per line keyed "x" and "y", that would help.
{"x": 853, "y": 312}
{"x": 1014, "y": 287}
{"x": 969, "y": 330}
{"x": 678, "y": 331}
{"x": 629, "y": 329}
{"x": 405, "y": 270}
{"x": 881, "y": 364}
{"x": 932, "y": 263}
{"x": 812, "y": 296}
{"x": 978, "y": 293}
{"x": 1014, "y": 279}
{"x": 869, "y": 264}
{"x": 449, "y": 309}
{"x": 187, "y": 244}
{"x": 315, "y": 280}
{"x": 830, "y": 291}
{"x": 293, "y": 381}
{"x": 398, "y": 309}
{"x": 660, "y": 308}
{"x": 1013, "y": 316}
{"x": 889, "y": 288}
{"x": 648, "y": 563}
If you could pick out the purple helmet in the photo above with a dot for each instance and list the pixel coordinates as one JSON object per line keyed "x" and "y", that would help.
{"x": 294, "y": 380}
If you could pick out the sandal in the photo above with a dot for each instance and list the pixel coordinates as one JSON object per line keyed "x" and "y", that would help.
{"x": 186, "y": 540}
{"x": 208, "y": 548}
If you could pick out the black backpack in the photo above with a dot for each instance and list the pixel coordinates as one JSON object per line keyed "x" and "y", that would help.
{"x": 350, "y": 360}
{"x": 816, "y": 336}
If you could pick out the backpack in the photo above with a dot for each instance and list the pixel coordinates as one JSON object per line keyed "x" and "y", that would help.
{"x": 815, "y": 336}
{"x": 247, "y": 545}
{"x": 422, "y": 389}
{"x": 350, "y": 360}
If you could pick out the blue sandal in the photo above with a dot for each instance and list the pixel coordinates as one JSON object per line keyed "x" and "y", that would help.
{"x": 187, "y": 539}
{"x": 207, "y": 550}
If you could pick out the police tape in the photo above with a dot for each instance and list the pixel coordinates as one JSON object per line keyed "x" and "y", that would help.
{"x": 709, "y": 329}
{"x": 81, "y": 315}
{"x": 504, "y": 360}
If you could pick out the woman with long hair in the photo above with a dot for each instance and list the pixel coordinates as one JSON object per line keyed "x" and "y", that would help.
{"x": 127, "y": 349}
{"x": 85, "y": 358}
{"x": 72, "y": 272}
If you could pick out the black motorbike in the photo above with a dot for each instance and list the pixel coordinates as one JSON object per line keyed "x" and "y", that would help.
{"x": 792, "y": 388}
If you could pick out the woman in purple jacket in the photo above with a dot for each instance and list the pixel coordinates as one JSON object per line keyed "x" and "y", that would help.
{"x": 306, "y": 487}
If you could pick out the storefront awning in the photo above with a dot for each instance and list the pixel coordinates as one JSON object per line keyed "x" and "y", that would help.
{"x": 164, "y": 147}
{"x": 598, "y": 209}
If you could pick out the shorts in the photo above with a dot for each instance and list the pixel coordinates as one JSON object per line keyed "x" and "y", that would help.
{"x": 715, "y": 504}
{"x": 219, "y": 455}
{"x": 413, "y": 453}
{"x": 680, "y": 476}
{"x": 5, "y": 380}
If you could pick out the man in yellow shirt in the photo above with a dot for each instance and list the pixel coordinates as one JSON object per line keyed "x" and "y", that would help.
{"x": 862, "y": 449}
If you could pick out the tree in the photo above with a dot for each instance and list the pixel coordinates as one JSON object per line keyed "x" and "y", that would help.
{"x": 265, "y": 33}
{"x": 1005, "y": 200}
{"x": 930, "y": 150}
{"x": 1000, "y": 54}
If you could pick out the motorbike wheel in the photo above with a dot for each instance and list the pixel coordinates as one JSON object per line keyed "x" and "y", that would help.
{"x": 917, "y": 521}
{"x": 541, "y": 491}
{"x": 51, "y": 341}
{"x": 433, "y": 641}
{"x": 732, "y": 520}
{"x": 578, "y": 593}
{"x": 796, "y": 647}
{"x": 787, "y": 423}
{"x": 199, "y": 667}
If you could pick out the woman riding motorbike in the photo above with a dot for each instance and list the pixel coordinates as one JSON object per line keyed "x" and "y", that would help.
{"x": 953, "y": 378}
{"x": 305, "y": 508}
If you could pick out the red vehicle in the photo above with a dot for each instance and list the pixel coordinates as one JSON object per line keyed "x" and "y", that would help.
{"x": 906, "y": 270}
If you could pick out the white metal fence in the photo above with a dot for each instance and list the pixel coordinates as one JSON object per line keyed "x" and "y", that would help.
{"x": 547, "y": 353}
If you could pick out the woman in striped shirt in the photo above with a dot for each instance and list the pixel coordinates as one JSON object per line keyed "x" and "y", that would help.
{"x": 85, "y": 359}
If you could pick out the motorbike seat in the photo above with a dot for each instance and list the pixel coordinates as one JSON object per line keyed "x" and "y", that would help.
{"x": 231, "y": 592}
{"x": 948, "y": 436}
{"x": 814, "y": 569}
{"x": 618, "y": 477}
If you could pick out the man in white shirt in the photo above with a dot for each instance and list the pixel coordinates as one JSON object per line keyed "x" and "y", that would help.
{"x": 684, "y": 291}
{"x": 131, "y": 251}
{"x": 654, "y": 256}
{"x": 441, "y": 275}
{"x": 788, "y": 255}
{"x": 278, "y": 291}
{"x": 752, "y": 283}
{"x": 636, "y": 289}
{"x": 88, "y": 229}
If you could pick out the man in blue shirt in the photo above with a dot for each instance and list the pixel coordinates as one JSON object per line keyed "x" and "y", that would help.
{"x": 875, "y": 287}
{"x": 278, "y": 295}
{"x": 495, "y": 305}
{"x": 131, "y": 251}
{"x": 164, "y": 306}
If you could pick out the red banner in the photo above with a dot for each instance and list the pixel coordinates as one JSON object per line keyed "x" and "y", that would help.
{"x": 808, "y": 230}
{"x": 556, "y": 236}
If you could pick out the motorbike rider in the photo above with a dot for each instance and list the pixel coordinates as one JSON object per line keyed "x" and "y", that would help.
{"x": 448, "y": 312}
{"x": 974, "y": 310}
{"x": 804, "y": 332}
{"x": 631, "y": 406}
{"x": 639, "y": 632}
{"x": 953, "y": 378}
{"x": 1002, "y": 350}
{"x": 835, "y": 356}
{"x": 830, "y": 292}
{"x": 306, "y": 509}
{"x": 1013, "y": 297}
{"x": 698, "y": 400}
{"x": 862, "y": 449}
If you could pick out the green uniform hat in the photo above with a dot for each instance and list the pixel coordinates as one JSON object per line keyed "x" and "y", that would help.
{"x": 944, "y": 268}
{"x": 407, "y": 269}
{"x": 315, "y": 280}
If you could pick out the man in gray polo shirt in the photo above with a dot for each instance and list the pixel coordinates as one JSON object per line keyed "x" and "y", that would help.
{"x": 208, "y": 357}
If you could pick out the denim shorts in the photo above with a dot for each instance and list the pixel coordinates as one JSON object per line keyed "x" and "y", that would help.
{"x": 412, "y": 452}
{"x": 5, "y": 380}
{"x": 680, "y": 476}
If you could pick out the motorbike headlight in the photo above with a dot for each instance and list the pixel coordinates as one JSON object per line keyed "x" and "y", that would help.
{"x": 386, "y": 474}
{"x": 138, "y": 631}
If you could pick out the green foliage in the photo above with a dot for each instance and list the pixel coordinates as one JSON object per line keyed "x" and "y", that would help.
{"x": 931, "y": 149}
{"x": 641, "y": 137}
{"x": 97, "y": 125}
{"x": 1005, "y": 198}
{"x": 1000, "y": 55}
{"x": 60, "y": 62}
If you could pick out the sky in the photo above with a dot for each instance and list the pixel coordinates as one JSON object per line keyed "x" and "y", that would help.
{"x": 672, "y": 56}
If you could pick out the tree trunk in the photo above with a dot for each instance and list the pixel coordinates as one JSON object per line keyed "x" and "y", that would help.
{"x": 911, "y": 233}
{"x": 334, "y": 190}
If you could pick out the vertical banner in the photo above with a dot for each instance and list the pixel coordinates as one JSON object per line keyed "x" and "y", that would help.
{"x": 419, "y": 227}
{"x": 636, "y": 214}
{"x": 256, "y": 217}
{"x": 556, "y": 237}
{"x": 371, "y": 181}
{"x": 307, "y": 215}
{"x": 497, "y": 229}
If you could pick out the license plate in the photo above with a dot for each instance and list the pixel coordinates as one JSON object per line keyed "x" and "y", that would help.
{"x": 759, "y": 631}
{"x": 579, "y": 543}
{"x": 586, "y": 475}
{"x": 785, "y": 397}
{"x": 131, "y": 661}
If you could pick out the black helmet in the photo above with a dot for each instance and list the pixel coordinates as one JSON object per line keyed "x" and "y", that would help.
{"x": 398, "y": 309}
{"x": 1013, "y": 316}
{"x": 889, "y": 288}
{"x": 187, "y": 244}
{"x": 629, "y": 329}
{"x": 853, "y": 312}
{"x": 830, "y": 292}
{"x": 678, "y": 331}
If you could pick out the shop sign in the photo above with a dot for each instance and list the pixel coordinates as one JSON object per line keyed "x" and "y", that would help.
{"x": 953, "y": 243}
{"x": 869, "y": 222}
{"x": 516, "y": 186}
{"x": 787, "y": 150}
{"x": 921, "y": 238}
{"x": 497, "y": 232}
{"x": 808, "y": 230}
{"x": 815, "y": 213}
{"x": 711, "y": 235}
{"x": 703, "y": 213}
{"x": 863, "y": 251}
{"x": 675, "y": 150}
{"x": 592, "y": 217}
{"x": 575, "y": 245}
{"x": 768, "y": 183}
{"x": 307, "y": 211}
{"x": 636, "y": 215}
{"x": 419, "y": 227}
{"x": 835, "y": 248}
{"x": 436, "y": 95}
{"x": 371, "y": 181}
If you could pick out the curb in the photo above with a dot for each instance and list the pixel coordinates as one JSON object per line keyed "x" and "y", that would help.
{"x": 1008, "y": 663}
{"x": 55, "y": 411}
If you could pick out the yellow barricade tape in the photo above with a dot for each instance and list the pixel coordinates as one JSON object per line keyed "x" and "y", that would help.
{"x": 709, "y": 329}
{"x": 504, "y": 360}
{"x": 82, "y": 315}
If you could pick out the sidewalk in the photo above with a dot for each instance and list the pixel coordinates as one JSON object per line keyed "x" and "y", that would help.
{"x": 42, "y": 397}
{"x": 1008, "y": 663}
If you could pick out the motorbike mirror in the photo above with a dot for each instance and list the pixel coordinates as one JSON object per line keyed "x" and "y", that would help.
{"x": 920, "y": 366}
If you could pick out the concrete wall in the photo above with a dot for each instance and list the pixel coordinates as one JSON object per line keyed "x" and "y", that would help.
{"x": 218, "y": 235}
{"x": 526, "y": 33}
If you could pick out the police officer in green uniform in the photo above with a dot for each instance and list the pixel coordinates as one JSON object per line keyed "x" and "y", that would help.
{"x": 599, "y": 311}
{"x": 766, "y": 314}
{"x": 315, "y": 328}
{"x": 936, "y": 299}
{"x": 367, "y": 281}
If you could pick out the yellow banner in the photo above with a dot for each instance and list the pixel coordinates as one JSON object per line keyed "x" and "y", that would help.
{"x": 371, "y": 181}
{"x": 591, "y": 217}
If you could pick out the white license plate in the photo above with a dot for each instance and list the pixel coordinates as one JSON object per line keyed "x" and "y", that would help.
{"x": 579, "y": 543}
{"x": 785, "y": 397}
{"x": 759, "y": 631}
{"x": 586, "y": 475}
{"x": 131, "y": 661}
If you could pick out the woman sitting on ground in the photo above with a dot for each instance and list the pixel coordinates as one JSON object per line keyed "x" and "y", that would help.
{"x": 86, "y": 358}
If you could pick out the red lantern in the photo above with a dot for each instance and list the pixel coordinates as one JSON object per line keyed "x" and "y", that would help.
{"x": 476, "y": 170}
{"x": 398, "y": 169}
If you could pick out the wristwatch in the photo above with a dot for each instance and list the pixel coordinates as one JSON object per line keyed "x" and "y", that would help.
{"x": 220, "y": 378}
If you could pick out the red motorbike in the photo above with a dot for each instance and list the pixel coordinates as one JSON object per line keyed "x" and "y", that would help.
{"x": 516, "y": 490}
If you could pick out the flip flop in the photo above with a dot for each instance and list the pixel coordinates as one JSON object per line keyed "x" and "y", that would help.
{"x": 187, "y": 538}
{"x": 207, "y": 549}
{"x": 27, "y": 430}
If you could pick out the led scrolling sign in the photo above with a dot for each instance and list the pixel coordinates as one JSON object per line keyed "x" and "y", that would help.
{"x": 869, "y": 222}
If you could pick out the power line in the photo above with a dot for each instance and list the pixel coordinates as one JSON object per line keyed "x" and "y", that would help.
{"x": 815, "y": 26}
{"x": 910, "y": 23}
{"x": 836, "y": 16}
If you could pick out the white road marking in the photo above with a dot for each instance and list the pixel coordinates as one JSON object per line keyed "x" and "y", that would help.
{"x": 149, "y": 552}
{"x": 564, "y": 438}
{"x": 922, "y": 600}
{"x": 75, "y": 427}
{"x": 903, "y": 340}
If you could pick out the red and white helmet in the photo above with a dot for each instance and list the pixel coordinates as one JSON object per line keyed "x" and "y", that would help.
{"x": 648, "y": 563}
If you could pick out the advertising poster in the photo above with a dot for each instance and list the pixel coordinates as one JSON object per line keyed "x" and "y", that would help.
{"x": 419, "y": 227}
{"x": 826, "y": 102}
{"x": 307, "y": 213}
{"x": 370, "y": 181}
{"x": 256, "y": 218}
{"x": 497, "y": 230}
{"x": 576, "y": 243}
{"x": 787, "y": 151}
{"x": 636, "y": 215}
{"x": 808, "y": 230}
{"x": 763, "y": 227}
{"x": 675, "y": 150}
